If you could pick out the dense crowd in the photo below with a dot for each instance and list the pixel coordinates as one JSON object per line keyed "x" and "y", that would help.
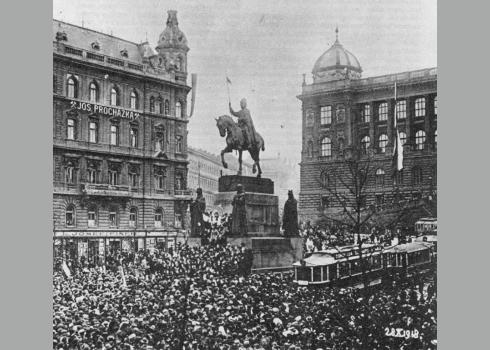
{"x": 205, "y": 298}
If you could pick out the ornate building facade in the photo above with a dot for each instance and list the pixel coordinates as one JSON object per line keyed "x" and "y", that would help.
{"x": 119, "y": 141}
{"x": 342, "y": 112}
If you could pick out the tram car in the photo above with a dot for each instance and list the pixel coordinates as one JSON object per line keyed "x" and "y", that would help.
{"x": 426, "y": 226}
{"x": 341, "y": 266}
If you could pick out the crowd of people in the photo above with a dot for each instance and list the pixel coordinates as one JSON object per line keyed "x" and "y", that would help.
{"x": 205, "y": 298}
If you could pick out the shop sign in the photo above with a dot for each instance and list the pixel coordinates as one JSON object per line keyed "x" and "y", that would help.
{"x": 105, "y": 110}
{"x": 97, "y": 234}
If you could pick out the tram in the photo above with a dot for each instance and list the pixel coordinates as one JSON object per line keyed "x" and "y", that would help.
{"x": 342, "y": 265}
{"x": 426, "y": 226}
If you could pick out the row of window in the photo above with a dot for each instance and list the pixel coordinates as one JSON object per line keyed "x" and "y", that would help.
{"x": 420, "y": 139}
{"x": 113, "y": 217}
{"x": 326, "y": 112}
{"x": 114, "y": 135}
{"x": 157, "y": 105}
{"x": 114, "y": 177}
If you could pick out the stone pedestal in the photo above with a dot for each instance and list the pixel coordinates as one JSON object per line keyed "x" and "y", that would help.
{"x": 228, "y": 183}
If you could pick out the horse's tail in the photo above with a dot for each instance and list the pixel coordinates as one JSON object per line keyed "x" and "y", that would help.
{"x": 263, "y": 145}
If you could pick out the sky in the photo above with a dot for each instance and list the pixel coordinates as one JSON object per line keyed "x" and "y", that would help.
{"x": 265, "y": 47}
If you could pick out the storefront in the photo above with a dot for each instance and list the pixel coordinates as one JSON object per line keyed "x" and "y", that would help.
{"x": 95, "y": 246}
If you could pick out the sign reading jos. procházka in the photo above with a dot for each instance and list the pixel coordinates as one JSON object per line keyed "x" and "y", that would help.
{"x": 107, "y": 110}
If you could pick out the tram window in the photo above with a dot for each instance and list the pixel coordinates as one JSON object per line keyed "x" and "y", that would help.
{"x": 376, "y": 262}
{"x": 304, "y": 274}
{"x": 392, "y": 258}
{"x": 332, "y": 272}
{"x": 317, "y": 274}
{"x": 343, "y": 269}
{"x": 355, "y": 267}
{"x": 325, "y": 272}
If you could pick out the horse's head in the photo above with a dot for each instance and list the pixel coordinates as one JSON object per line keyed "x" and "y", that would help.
{"x": 221, "y": 126}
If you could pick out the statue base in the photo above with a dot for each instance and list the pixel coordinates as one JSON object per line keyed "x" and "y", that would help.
{"x": 228, "y": 183}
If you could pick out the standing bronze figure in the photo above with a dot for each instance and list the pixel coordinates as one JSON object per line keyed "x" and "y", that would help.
{"x": 197, "y": 206}
{"x": 241, "y": 136}
{"x": 239, "y": 213}
{"x": 290, "y": 216}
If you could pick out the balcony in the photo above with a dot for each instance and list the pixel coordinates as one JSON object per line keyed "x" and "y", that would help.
{"x": 106, "y": 190}
{"x": 183, "y": 194}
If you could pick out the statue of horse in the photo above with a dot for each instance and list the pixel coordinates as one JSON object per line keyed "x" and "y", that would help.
{"x": 235, "y": 141}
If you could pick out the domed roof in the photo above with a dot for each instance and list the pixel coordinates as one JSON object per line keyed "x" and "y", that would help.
{"x": 172, "y": 36}
{"x": 336, "y": 63}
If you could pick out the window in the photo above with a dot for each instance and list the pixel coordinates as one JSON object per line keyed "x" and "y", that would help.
{"x": 160, "y": 179}
{"x": 70, "y": 215}
{"x": 92, "y": 132}
{"x": 326, "y": 115}
{"x": 380, "y": 177}
{"x": 383, "y": 111}
{"x": 158, "y": 217}
{"x": 92, "y": 175}
{"x": 93, "y": 92}
{"x": 178, "y": 110}
{"x": 420, "y": 140}
{"x": 309, "y": 149}
{"x": 401, "y": 109}
{"x": 340, "y": 145}
{"x": 326, "y": 147}
{"x": 114, "y": 134}
{"x": 72, "y": 87}
{"x": 113, "y": 217}
{"x": 366, "y": 113}
{"x": 167, "y": 107}
{"x": 399, "y": 177}
{"x": 179, "y": 145}
{"x": 114, "y": 97}
{"x": 420, "y": 107}
{"x": 180, "y": 65}
{"x": 133, "y": 179}
{"x": 133, "y": 101}
{"x": 403, "y": 137}
{"x": 70, "y": 129}
{"x": 417, "y": 175}
{"x": 180, "y": 182}
{"x": 382, "y": 142}
{"x": 325, "y": 202}
{"x": 133, "y": 217}
{"x": 435, "y": 136}
{"x": 365, "y": 143}
{"x": 380, "y": 199}
{"x": 70, "y": 174}
{"x": 152, "y": 104}
{"x": 133, "y": 137}
{"x": 435, "y": 105}
{"x": 160, "y": 106}
{"x": 328, "y": 180}
{"x": 92, "y": 217}
{"x": 113, "y": 177}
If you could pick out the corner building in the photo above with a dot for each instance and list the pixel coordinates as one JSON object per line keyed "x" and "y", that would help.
{"x": 119, "y": 141}
{"x": 342, "y": 111}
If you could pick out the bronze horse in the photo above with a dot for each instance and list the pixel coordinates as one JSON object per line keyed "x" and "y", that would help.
{"x": 235, "y": 141}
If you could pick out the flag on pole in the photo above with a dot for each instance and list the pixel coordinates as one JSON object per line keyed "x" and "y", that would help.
{"x": 398, "y": 147}
{"x": 66, "y": 270}
{"x": 228, "y": 80}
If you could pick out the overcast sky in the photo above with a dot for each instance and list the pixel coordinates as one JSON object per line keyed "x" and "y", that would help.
{"x": 265, "y": 47}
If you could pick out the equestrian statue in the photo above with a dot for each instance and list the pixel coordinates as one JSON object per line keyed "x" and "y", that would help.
{"x": 241, "y": 136}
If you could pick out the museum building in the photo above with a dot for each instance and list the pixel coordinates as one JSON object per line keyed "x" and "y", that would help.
{"x": 119, "y": 141}
{"x": 342, "y": 112}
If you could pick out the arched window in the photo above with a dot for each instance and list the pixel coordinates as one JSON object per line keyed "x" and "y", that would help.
{"x": 382, "y": 142}
{"x": 133, "y": 102}
{"x": 167, "y": 107}
{"x": 420, "y": 140}
{"x": 403, "y": 137}
{"x": 178, "y": 109}
{"x": 115, "y": 96}
{"x": 152, "y": 104}
{"x": 326, "y": 147}
{"x": 380, "y": 177}
{"x": 93, "y": 92}
{"x": 113, "y": 220}
{"x": 416, "y": 175}
{"x": 158, "y": 217}
{"x": 420, "y": 107}
{"x": 160, "y": 106}
{"x": 72, "y": 87}
{"x": 133, "y": 217}
{"x": 365, "y": 143}
{"x": 92, "y": 216}
{"x": 383, "y": 111}
{"x": 70, "y": 129}
{"x": 70, "y": 215}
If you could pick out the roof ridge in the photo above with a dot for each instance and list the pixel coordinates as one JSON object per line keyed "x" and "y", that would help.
{"x": 99, "y": 32}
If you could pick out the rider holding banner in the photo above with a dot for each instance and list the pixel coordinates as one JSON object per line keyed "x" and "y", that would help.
{"x": 245, "y": 123}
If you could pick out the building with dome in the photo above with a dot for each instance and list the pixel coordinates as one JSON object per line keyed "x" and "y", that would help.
{"x": 344, "y": 112}
{"x": 119, "y": 141}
